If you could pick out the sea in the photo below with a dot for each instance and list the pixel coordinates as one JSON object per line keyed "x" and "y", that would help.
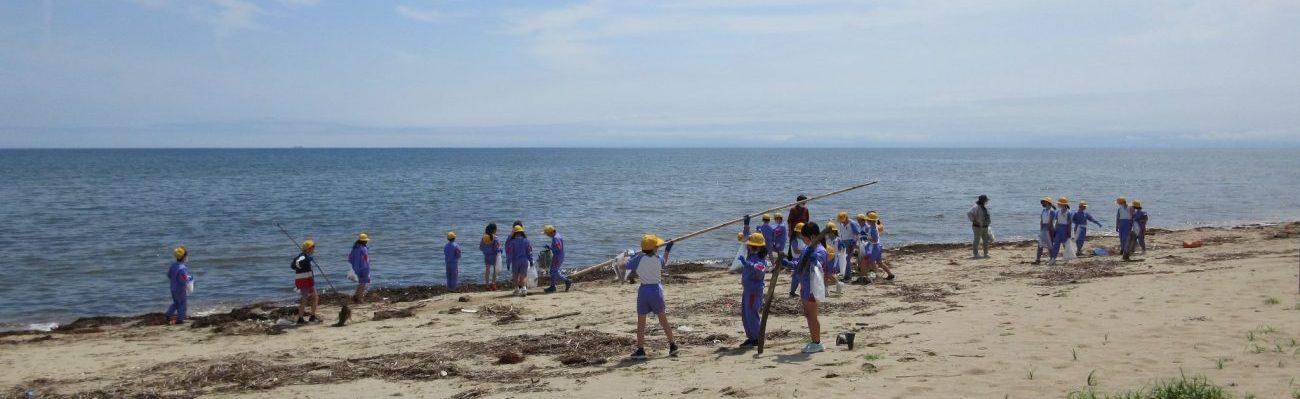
{"x": 90, "y": 232}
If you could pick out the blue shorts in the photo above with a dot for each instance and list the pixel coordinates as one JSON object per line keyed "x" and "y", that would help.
{"x": 490, "y": 260}
{"x": 519, "y": 268}
{"x": 650, "y": 299}
{"x": 805, "y": 287}
{"x": 363, "y": 278}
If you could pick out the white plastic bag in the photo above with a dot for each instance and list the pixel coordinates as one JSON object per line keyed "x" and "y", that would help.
{"x": 620, "y": 266}
{"x": 352, "y": 275}
{"x": 1067, "y": 250}
{"x": 532, "y": 276}
{"x": 842, "y": 261}
{"x": 818, "y": 283}
{"x": 189, "y": 286}
{"x": 735, "y": 262}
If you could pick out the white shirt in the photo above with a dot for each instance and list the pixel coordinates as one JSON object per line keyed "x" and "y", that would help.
{"x": 649, "y": 269}
{"x": 1122, "y": 213}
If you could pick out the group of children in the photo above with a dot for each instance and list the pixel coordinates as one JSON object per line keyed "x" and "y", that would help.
{"x": 518, "y": 253}
{"x": 1059, "y": 228}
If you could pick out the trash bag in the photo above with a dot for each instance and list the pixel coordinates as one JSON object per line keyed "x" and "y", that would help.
{"x": 189, "y": 286}
{"x": 352, "y": 275}
{"x": 818, "y": 283}
{"x": 532, "y": 275}
{"x": 620, "y": 266}
{"x": 735, "y": 261}
{"x": 544, "y": 260}
{"x": 1067, "y": 250}
{"x": 841, "y": 261}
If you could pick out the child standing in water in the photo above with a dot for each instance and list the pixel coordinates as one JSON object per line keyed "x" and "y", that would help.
{"x": 491, "y": 249}
{"x": 648, "y": 268}
{"x": 451, "y": 253}
{"x": 751, "y": 282}
{"x": 179, "y": 275}
{"x": 360, "y": 260}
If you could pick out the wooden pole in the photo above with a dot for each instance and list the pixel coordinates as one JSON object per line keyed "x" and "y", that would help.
{"x": 597, "y": 266}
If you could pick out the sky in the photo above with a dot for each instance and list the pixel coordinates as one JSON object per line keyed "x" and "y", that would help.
{"x": 661, "y": 73}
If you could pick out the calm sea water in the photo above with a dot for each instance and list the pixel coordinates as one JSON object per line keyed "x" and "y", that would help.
{"x": 90, "y": 232}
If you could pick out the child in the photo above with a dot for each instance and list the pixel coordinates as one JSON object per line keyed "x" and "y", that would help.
{"x": 1123, "y": 225}
{"x": 451, "y": 253}
{"x": 1063, "y": 221}
{"x": 875, "y": 252}
{"x": 751, "y": 281}
{"x": 1081, "y": 219}
{"x": 780, "y": 235}
{"x": 833, "y": 268}
{"x": 520, "y": 253}
{"x": 648, "y": 268}
{"x": 557, "y": 258}
{"x": 491, "y": 249}
{"x": 796, "y": 251}
{"x": 304, "y": 280}
{"x": 360, "y": 260}
{"x": 1046, "y": 225}
{"x": 765, "y": 228}
{"x": 814, "y": 256}
{"x": 180, "y": 278}
{"x": 848, "y": 234}
{"x": 1140, "y": 217}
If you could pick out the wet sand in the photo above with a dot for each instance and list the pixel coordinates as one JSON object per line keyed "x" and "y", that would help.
{"x": 950, "y": 326}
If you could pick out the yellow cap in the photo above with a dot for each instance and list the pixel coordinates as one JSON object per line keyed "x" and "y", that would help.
{"x": 451, "y": 235}
{"x": 518, "y": 229}
{"x": 1063, "y": 201}
{"x": 756, "y": 240}
{"x": 180, "y": 252}
{"x": 871, "y": 216}
{"x": 1083, "y": 203}
{"x": 1137, "y": 203}
{"x": 767, "y": 216}
{"x": 548, "y": 229}
{"x": 798, "y": 227}
{"x": 778, "y": 216}
{"x": 487, "y": 238}
{"x": 1121, "y": 201}
{"x": 309, "y": 244}
{"x": 1047, "y": 199}
{"x": 650, "y": 242}
{"x": 862, "y": 216}
{"x": 830, "y": 225}
{"x": 830, "y": 251}
{"x": 842, "y": 216}
{"x": 363, "y": 237}
{"x": 740, "y": 236}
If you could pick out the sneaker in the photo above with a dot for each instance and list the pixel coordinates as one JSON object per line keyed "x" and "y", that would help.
{"x": 1051, "y": 262}
{"x": 871, "y": 276}
{"x": 639, "y": 354}
{"x": 302, "y": 320}
{"x": 794, "y": 295}
{"x": 672, "y": 349}
{"x": 889, "y": 277}
{"x": 549, "y": 290}
{"x": 523, "y": 292}
{"x": 813, "y": 347}
{"x": 567, "y": 284}
{"x": 748, "y": 343}
{"x": 313, "y": 319}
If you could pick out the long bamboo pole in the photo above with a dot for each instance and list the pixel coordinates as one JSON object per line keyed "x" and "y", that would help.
{"x": 597, "y": 266}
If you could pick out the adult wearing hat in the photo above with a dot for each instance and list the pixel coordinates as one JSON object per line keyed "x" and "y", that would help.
{"x": 979, "y": 221}
{"x": 360, "y": 260}
{"x": 179, "y": 276}
{"x": 1123, "y": 224}
{"x": 1046, "y": 227}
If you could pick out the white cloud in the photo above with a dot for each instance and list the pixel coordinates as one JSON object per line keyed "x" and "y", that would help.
{"x": 422, "y": 15}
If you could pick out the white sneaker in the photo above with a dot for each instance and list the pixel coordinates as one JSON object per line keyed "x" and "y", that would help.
{"x": 523, "y": 292}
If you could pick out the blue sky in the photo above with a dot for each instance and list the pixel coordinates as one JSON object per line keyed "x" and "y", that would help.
{"x": 757, "y": 73}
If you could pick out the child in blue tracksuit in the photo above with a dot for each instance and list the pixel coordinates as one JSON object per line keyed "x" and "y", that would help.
{"x": 179, "y": 276}
{"x": 875, "y": 252}
{"x": 491, "y": 248}
{"x": 557, "y": 258}
{"x": 360, "y": 260}
{"x": 765, "y": 228}
{"x": 647, "y": 267}
{"x": 451, "y": 253}
{"x": 751, "y": 281}
{"x": 1081, "y": 219}
{"x": 1123, "y": 225}
{"x": 1140, "y": 218}
{"x": 779, "y": 235}
{"x": 1046, "y": 227}
{"x": 796, "y": 250}
{"x": 816, "y": 256}
{"x": 1063, "y": 222}
{"x": 520, "y": 254}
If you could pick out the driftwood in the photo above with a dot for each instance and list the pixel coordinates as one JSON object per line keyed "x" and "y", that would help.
{"x": 557, "y": 316}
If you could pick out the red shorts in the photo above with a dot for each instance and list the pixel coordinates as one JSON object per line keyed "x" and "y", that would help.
{"x": 305, "y": 285}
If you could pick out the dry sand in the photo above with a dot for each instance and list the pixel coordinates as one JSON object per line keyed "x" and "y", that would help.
{"x": 950, "y": 326}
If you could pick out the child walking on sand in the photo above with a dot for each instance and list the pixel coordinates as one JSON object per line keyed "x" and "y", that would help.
{"x": 179, "y": 275}
{"x": 360, "y": 260}
{"x": 647, "y": 267}
{"x": 751, "y": 282}
{"x": 520, "y": 253}
{"x": 875, "y": 252}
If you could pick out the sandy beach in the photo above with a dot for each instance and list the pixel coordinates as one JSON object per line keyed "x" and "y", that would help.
{"x": 949, "y": 326}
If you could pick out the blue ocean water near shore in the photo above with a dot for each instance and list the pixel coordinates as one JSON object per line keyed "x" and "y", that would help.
{"x": 90, "y": 232}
